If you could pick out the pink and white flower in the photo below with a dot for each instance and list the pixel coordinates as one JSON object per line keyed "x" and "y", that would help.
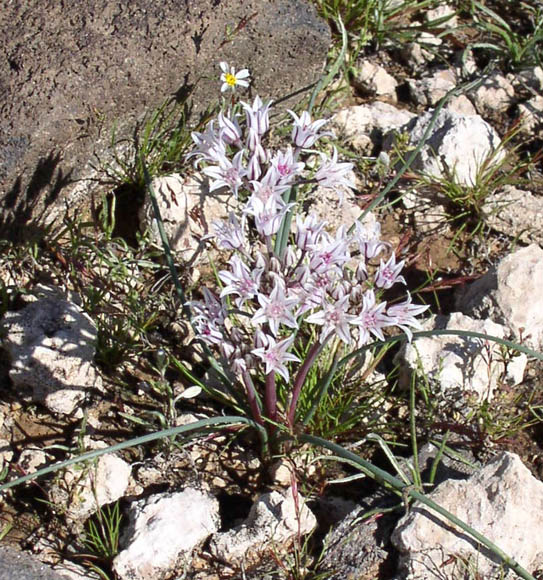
{"x": 228, "y": 174}
{"x": 334, "y": 175}
{"x": 403, "y": 315}
{"x": 333, "y": 317}
{"x": 275, "y": 309}
{"x": 257, "y": 115}
{"x": 371, "y": 319}
{"x": 240, "y": 281}
{"x": 306, "y": 133}
{"x": 388, "y": 273}
{"x": 275, "y": 355}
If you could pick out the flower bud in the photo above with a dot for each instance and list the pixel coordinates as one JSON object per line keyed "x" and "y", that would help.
{"x": 253, "y": 169}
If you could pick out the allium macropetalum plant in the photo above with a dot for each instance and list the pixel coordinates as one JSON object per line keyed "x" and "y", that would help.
{"x": 283, "y": 293}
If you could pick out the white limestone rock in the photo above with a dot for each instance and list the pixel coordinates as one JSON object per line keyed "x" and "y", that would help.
{"x": 459, "y": 367}
{"x": 456, "y": 148}
{"x": 515, "y": 213}
{"x": 444, "y": 14}
{"x": 163, "y": 531}
{"x": 429, "y": 215}
{"x": 420, "y": 53}
{"x": 336, "y": 210}
{"x": 85, "y": 488}
{"x": 429, "y": 90}
{"x": 502, "y": 501}
{"x": 275, "y": 519}
{"x": 51, "y": 343}
{"x": 187, "y": 210}
{"x": 511, "y": 295}
{"x": 495, "y": 94}
{"x": 373, "y": 79}
{"x": 461, "y": 105}
{"x": 32, "y": 459}
{"x": 364, "y": 125}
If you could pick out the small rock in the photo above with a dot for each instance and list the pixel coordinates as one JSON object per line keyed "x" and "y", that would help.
{"x": 418, "y": 54}
{"x": 429, "y": 216}
{"x": 461, "y": 105}
{"x": 6, "y": 453}
{"x": 444, "y": 14}
{"x": 494, "y": 95}
{"x": 511, "y": 295}
{"x": 163, "y": 531}
{"x": 459, "y": 466}
{"x": 17, "y": 565}
{"x": 456, "y": 148}
{"x": 274, "y": 518}
{"x": 51, "y": 345}
{"x": 187, "y": 210}
{"x": 283, "y": 469}
{"x": 428, "y": 91}
{"x": 501, "y": 501}
{"x": 326, "y": 205}
{"x": 372, "y": 79}
{"x": 85, "y": 488}
{"x": 364, "y": 125}
{"x": 465, "y": 62}
{"x": 531, "y": 115}
{"x": 515, "y": 213}
{"x": 457, "y": 365}
{"x": 31, "y": 460}
{"x": 71, "y": 571}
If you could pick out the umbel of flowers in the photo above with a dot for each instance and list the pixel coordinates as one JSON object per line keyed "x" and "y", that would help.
{"x": 284, "y": 278}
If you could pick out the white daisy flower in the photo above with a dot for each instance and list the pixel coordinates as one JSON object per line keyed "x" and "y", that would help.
{"x": 231, "y": 79}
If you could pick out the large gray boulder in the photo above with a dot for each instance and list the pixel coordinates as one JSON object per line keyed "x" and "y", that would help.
{"x": 72, "y": 71}
{"x": 17, "y": 565}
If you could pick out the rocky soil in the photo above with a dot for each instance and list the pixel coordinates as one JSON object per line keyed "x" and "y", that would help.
{"x": 96, "y": 350}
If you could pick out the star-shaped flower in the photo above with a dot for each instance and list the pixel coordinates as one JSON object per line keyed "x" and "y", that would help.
{"x": 276, "y": 309}
{"x": 371, "y": 319}
{"x": 334, "y": 318}
{"x": 275, "y": 355}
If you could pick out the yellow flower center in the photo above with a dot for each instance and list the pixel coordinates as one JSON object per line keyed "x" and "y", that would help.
{"x": 230, "y": 79}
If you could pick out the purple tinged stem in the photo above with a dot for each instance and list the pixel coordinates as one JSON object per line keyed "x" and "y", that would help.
{"x": 301, "y": 376}
{"x": 271, "y": 399}
{"x": 251, "y": 397}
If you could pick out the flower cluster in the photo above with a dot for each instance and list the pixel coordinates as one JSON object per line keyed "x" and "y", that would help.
{"x": 332, "y": 282}
{"x": 273, "y": 293}
{"x": 239, "y": 161}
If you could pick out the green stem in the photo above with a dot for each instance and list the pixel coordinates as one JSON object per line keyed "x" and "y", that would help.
{"x": 444, "y": 332}
{"x": 203, "y": 424}
{"x": 413, "y": 429}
